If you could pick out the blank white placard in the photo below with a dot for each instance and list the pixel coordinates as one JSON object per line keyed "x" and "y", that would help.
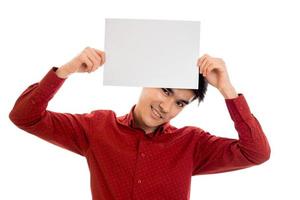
{"x": 151, "y": 53}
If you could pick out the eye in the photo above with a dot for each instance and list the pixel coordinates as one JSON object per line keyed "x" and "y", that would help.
{"x": 180, "y": 104}
{"x": 165, "y": 91}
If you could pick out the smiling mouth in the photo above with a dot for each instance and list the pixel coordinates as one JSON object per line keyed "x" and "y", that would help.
{"x": 156, "y": 113}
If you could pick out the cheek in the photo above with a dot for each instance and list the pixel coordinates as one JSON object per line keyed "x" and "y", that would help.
{"x": 173, "y": 114}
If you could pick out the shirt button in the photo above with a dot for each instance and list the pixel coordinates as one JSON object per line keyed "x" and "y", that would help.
{"x": 143, "y": 155}
{"x": 139, "y": 181}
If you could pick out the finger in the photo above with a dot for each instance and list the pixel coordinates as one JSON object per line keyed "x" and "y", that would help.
{"x": 87, "y": 61}
{"x": 203, "y": 65}
{"x": 204, "y": 70}
{"x": 199, "y": 65}
{"x": 98, "y": 60}
{"x": 200, "y": 60}
{"x": 98, "y": 57}
{"x": 95, "y": 68}
{"x": 208, "y": 65}
{"x": 102, "y": 54}
{"x": 209, "y": 68}
{"x": 103, "y": 57}
{"x": 93, "y": 58}
{"x": 205, "y": 60}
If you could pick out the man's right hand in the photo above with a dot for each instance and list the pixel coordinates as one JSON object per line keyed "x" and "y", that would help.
{"x": 89, "y": 60}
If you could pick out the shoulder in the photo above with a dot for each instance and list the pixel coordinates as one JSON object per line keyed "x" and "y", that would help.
{"x": 198, "y": 133}
{"x": 185, "y": 131}
{"x": 101, "y": 114}
{"x": 193, "y": 129}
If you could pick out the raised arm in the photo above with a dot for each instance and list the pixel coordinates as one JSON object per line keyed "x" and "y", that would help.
{"x": 215, "y": 154}
{"x": 218, "y": 154}
{"x": 63, "y": 129}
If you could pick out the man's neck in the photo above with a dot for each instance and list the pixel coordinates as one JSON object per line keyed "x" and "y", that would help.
{"x": 137, "y": 123}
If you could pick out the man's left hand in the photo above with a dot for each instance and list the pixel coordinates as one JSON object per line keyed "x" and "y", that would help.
{"x": 215, "y": 72}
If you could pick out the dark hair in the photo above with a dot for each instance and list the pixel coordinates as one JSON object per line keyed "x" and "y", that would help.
{"x": 202, "y": 88}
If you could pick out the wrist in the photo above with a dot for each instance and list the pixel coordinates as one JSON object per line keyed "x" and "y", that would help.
{"x": 228, "y": 92}
{"x": 62, "y": 72}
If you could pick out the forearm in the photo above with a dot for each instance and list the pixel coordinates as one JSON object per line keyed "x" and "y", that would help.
{"x": 252, "y": 141}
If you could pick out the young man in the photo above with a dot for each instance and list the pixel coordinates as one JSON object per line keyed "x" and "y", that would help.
{"x": 141, "y": 155}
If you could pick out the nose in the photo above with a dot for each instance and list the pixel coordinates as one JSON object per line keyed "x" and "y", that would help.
{"x": 165, "y": 106}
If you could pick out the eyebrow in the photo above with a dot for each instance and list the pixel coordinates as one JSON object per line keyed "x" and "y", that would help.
{"x": 172, "y": 92}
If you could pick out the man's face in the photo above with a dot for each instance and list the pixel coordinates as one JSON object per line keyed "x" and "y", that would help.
{"x": 159, "y": 105}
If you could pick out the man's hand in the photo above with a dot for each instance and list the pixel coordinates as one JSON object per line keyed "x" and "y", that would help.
{"x": 89, "y": 60}
{"x": 215, "y": 72}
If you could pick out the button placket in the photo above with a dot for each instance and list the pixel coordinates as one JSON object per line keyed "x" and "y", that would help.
{"x": 142, "y": 155}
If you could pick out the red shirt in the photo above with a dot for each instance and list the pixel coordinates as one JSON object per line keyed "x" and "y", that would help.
{"x": 124, "y": 162}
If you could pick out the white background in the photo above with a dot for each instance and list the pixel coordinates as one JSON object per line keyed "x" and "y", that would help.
{"x": 258, "y": 40}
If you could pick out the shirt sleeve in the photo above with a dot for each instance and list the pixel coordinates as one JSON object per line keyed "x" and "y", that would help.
{"x": 66, "y": 130}
{"x": 219, "y": 154}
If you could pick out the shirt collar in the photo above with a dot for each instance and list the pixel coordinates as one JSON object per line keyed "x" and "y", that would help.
{"x": 128, "y": 120}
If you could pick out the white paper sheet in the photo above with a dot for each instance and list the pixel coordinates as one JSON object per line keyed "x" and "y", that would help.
{"x": 151, "y": 53}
